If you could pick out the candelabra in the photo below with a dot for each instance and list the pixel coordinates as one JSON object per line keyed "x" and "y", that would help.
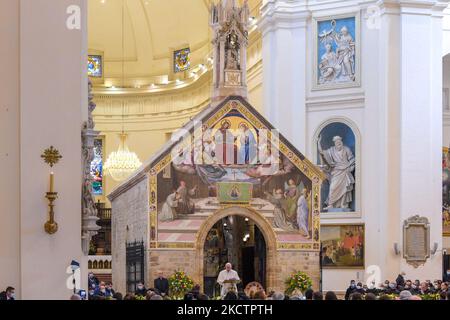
{"x": 51, "y": 156}
{"x": 51, "y": 226}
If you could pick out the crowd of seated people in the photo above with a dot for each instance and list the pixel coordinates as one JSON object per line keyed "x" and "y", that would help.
{"x": 400, "y": 289}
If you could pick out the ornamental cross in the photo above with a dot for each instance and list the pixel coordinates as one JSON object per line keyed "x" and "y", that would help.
{"x": 51, "y": 156}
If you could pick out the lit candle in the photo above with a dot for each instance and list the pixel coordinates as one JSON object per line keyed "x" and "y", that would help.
{"x": 52, "y": 175}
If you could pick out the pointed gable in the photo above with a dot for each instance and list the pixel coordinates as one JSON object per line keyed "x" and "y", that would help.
{"x": 208, "y": 118}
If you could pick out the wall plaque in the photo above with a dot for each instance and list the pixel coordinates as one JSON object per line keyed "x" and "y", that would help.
{"x": 416, "y": 240}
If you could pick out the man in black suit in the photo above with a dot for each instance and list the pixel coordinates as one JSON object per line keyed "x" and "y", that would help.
{"x": 162, "y": 284}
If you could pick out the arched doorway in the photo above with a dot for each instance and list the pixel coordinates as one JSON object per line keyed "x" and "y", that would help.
{"x": 237, "y": 240}
{"x": 245, "y": 219}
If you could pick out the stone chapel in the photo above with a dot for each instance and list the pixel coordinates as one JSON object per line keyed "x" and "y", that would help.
{"x": 226, "y": 188}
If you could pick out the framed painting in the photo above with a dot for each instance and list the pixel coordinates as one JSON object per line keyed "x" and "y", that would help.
{"x": 343, "y": 246}
{"x": 445, "y": 192}
{"x": 336, "y": 51}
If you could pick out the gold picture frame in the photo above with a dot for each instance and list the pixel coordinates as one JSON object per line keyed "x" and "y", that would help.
{"x": 345, "y": 250}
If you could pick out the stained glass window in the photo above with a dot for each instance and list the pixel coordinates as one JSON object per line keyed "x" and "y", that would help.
{"x": 95, "y": 66}
{"x": 97, "y": 168}
{"x": 182, "y": 60}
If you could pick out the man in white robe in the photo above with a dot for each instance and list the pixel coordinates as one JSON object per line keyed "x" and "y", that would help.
{"x": 341, "y": 163}
{"x": 225, "y": 276}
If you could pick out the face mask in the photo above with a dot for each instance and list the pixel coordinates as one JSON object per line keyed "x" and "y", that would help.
{"x": 352, "y": 285}
{"x": 102, "y": 288}
{"x": 414, "y": 286}
{"x": 140, "y": 287}
{"x": 12, "y": 295}
{"x": 392, "y": 286}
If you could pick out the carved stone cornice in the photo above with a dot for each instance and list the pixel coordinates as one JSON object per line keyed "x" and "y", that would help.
{"x": 283, "y": 14}
{"x": 415, "y": 7}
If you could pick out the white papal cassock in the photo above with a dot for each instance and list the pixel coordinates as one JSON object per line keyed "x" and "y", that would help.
{"x": 227, "y": 275}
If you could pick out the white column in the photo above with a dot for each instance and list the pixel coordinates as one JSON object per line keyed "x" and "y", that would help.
{"x": 389, "y": 133}
{"x": 10, "y": 151}
{"x": 53, "y": 100}
{"x": 284, "y": 35}
{"x": 412, "y": 107}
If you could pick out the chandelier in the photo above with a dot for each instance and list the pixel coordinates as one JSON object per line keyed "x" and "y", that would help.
{"x": 122, "y": 163}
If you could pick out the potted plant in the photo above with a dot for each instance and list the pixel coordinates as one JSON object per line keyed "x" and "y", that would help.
{"x": 298, "y": 281}
{"x": 179, "y": 284}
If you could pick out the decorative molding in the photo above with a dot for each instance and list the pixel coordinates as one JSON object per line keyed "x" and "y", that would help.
{"x": 446, "y": 119}
{"x": 336, "y": 102}
{"x": 281, "y": 15}
{"x": 89, "y": 209}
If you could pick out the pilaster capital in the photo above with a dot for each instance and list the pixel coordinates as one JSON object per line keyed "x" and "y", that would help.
{"x": 414, "y": 7}
{"x": 283, "y": 14}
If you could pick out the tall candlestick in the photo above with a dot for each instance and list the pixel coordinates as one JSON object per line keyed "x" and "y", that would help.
{"x": 52, "y": 175}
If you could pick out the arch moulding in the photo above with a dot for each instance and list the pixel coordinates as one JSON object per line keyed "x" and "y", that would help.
{"x": 264, "y": 226}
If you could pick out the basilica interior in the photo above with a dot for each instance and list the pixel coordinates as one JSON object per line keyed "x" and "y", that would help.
{"x": 147, "y": 137}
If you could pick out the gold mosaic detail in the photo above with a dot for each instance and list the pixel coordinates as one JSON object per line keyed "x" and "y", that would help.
{"x": 295, "y": 246}
{"x": 153, "y": 202}
{"x": 175, "y": 245}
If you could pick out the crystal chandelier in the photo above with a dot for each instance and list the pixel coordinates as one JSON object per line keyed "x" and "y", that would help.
{"x": 122, "y": 163}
